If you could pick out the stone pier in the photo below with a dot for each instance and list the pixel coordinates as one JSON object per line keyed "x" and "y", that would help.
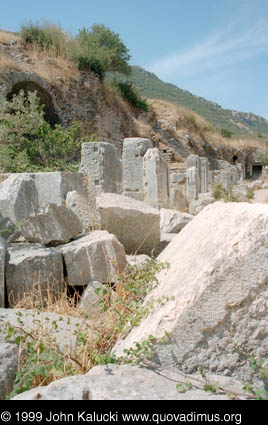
{"x": 134, "y": 150}
{"x": 156, "y": 179}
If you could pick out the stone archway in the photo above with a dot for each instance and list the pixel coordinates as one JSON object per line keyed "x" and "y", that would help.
{"x": 50, "y": 114}
{"x": 15, "y": 81}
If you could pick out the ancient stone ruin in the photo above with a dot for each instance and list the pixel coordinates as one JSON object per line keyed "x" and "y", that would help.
{"x": 58, "y": 209}
{"x": 81, "y": 228}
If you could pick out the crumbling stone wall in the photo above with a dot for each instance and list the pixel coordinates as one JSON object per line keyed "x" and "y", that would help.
{"x": 80, "y": 99}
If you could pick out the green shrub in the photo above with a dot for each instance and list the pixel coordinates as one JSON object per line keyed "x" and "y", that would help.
{"x": 250, "y": 193}
{"x": 88, "y": 61}
{"x": 219, "y": 192}
{"x": 28, "y": 143}
{"x": 104, "y": 47}
{"x": 128, "y": 92}
{"x": 225, "y": 132}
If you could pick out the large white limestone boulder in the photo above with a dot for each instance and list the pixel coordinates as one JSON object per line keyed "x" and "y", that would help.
{"x": 136, "y": 224}
{"x": 219, "y": 277}
{"x": 127, "y": 382}
{"x": 96, "y": 256}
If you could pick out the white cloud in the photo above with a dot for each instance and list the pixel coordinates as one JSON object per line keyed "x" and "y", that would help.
{"x": 220, "y": 50}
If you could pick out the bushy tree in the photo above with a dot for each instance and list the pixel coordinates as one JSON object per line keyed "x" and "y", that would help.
{"x": 28, "y": 143}
{"x": 101, "y": 48}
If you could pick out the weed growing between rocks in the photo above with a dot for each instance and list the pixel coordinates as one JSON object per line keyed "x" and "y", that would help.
{"x": 119, "y": 307}
{"x": 220, "y": 193}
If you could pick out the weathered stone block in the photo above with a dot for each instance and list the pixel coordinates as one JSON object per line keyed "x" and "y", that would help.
{"x": 172, "y": 221}
{"x": 210, "y": 180}
{"x": 193, "y": 161}
{"x": 53, "y": 187}
{"x": 134, "y": 150}
{"x": 3, "y": 249}
{"x": 203, "y": 200}
{"x": 203, "y": 175}
{"x": 178, "y": 199}
{"x": 193, "y": 183}
{"x": 18, "y": 197}
{"x": 8, "y": 367}
{"x": 136, "y": 224}
{"x": 94, "y": 257}
{"x": 102, "y": 163}
{"x": 179, "y": 178}
{"x": 51, "y": 225}
{"x": 79, "y": 204}
{"x": 90, "y": 297}
{"x": 156, "y": 179}
{"x": 225, "y": 178}
{"x": 32, "y": 268}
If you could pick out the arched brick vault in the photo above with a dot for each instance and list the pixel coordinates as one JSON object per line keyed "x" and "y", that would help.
{"x": 27, "y": 81}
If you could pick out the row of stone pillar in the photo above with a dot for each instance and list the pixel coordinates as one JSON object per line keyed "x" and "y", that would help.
{"x": 201, "y": 180}
{"x": 142, "y": 173}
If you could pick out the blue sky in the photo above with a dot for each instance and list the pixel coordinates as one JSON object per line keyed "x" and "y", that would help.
{"x": 217, "y": 49}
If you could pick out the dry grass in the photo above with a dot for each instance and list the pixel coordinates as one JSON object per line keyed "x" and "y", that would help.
{"x": 50, "y": 66}
{"x": 237, "y": 143}
{"x": 48, "y": 299}
{"x": 6, "y": 62}
{"x": 6, "y": 37}
{"x": 178, "y": 119}
{"x": 177, "y": 116}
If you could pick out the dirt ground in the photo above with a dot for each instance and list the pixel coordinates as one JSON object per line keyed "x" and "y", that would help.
{"x": 261, "y": 196}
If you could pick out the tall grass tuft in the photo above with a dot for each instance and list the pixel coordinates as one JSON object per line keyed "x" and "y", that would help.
{"x": 48, "y": 37}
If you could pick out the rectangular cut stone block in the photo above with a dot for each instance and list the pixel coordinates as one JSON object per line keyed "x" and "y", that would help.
{"x": 134, "y": 150}
{"x": 136, "y": 225}
{"x": 18, "y": 197}
{"x": 240, "y": 172}
{"x": 210, "y": 180}
{"x": 225, "y": 178}
{"x": 53, "y": 187}
{"x": 204, "y": 175}
{"x": 156, "y": 179}
{"x": 179, "y": 178}
{"x": 192, "y": 184}
{"x": 194, "y": 161}
{"x": 96, "y": 256}
{"x": 3, "y": 247}
{"x": 177, "y": 197}
{"x": 102, "y": 163}
{"x": 33, "y": 268}
{"x": 234, "y": 175}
